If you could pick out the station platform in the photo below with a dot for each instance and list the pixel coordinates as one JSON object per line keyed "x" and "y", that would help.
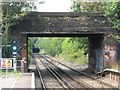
{"x": 23, "y": 81}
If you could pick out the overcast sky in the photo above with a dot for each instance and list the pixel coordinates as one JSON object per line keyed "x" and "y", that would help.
{"x": 55, "y": 6}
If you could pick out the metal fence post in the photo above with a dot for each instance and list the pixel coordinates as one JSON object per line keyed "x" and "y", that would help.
{"x": 22, "y": 66}
{"x": 15, "y": 64}
{"x": 6, "y": 69}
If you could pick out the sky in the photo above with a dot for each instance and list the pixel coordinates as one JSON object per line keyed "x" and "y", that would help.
{"x": 55, "y": 6}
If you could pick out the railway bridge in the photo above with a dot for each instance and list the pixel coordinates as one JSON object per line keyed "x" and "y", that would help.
{"x": 95, "y": 26}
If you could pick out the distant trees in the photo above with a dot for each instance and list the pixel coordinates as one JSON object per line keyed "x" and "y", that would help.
{"x": 50, "y": 46}
{"x": 82, "y": 6}
{"x": 75, "y": 46}
{"x": 112, "y": 11}
{"x": 69, "y": 48}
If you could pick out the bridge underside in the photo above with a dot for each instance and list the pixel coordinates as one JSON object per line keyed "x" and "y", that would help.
{"x": 92, "y": 25}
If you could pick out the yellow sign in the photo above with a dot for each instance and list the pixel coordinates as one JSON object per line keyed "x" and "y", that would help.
{"x": 9, "y": 63}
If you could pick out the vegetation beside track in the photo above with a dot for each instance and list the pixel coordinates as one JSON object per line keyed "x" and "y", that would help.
{"x": 70, "y": 49}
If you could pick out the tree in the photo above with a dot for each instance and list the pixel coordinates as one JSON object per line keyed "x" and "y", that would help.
{"x": 12, "y": 14}
{"x": 51, "y": 45}
{"x": 110, "y": 9}
{"x": 82, "y": 6}
{"x": 112, "y": 12}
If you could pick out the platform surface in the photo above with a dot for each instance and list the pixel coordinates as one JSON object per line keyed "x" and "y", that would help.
{"x": 23, "y": 80}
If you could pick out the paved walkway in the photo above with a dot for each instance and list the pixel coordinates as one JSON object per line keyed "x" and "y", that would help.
{"x": 22, "y": 80}
{"x": 7, "y": 82}
{"x": 25, "y": 81}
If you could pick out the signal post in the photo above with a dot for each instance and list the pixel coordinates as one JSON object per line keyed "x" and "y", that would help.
{"x": 14, "y": 49}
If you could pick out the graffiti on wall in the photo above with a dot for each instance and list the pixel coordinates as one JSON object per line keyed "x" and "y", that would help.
{"x": 109, "y": 53}
{"x": 99, "y": 54}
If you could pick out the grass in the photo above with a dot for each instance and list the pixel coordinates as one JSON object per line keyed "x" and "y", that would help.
{"x": 78, "y": 61}
{"x": 15, "y": 73}
{"x": 1, "y": 72}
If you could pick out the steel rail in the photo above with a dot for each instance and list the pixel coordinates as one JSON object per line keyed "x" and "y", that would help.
{"x": 81, "y": 82}
{"x": 61, "y": 80}
{"x": 41, "y": 78}
{"x": 105, "y": 84}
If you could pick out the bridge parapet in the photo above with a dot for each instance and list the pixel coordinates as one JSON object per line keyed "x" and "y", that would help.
{"x": 69, "y": 22}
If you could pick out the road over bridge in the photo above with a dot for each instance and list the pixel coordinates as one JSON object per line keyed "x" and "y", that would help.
{"x": 95, "y": 26}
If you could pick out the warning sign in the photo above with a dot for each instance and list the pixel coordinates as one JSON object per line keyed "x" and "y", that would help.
{"x": 6, "y": 63}
{"x": 3, "y": 63}
{"x": 9, "y": 63}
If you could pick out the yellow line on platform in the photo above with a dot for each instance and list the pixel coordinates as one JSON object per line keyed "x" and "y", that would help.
{"x": 13, "y": 84}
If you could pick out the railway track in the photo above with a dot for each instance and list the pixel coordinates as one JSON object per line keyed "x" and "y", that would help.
{"x": 41, "y": 78}
{"x": 47, "y": 80}
{"x": 69, "y": 80}
{"x": 89, "y": 80}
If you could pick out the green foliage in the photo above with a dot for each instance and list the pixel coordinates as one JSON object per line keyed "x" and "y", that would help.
{"x": 30, "y": 46}
{"x": 51, "y": 46}
{"x": 1, "y": 72}
{"x": 12, "y": 13}
{"x": 76, "y": 6}
{"x": 72, "y": 49}
{"x": 79, "y": 6}
{"x": 112, "y": 11}
{"x": 83, "y": 44}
